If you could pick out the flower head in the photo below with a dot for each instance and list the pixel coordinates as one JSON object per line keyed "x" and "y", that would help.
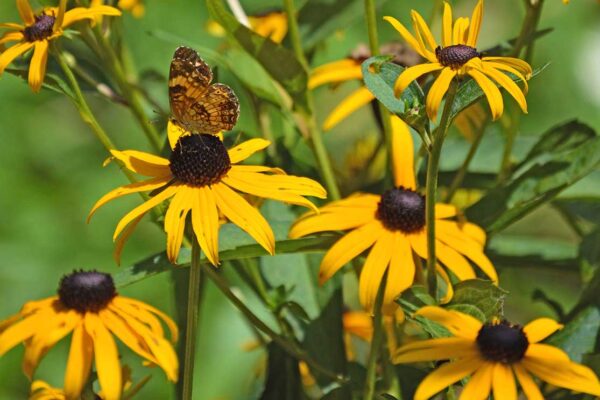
{"x": 493, "y": 354}
{"x": 200, "y": 177}
{"x": 392, "y": 225}
{"x": 38, "y": 30}
{"x": 458, "y": 56}
{"x": 89, "y": 306}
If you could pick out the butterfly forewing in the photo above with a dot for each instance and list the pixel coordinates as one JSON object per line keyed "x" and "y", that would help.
{"x": 196, "y": 105}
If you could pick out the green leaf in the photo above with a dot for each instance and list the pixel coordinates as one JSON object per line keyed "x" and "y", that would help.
{"x": 51, "y": 81}
{"x": 380, "y": 76}
{"x": 578, "y": 337}
{"x": 538, "y": 180}
{"x": 278, "y": 61}
{"x": 234, "y": 244}
{"x": 587, "y": 208}
{"x": 479, "y": 298}
{"x": 409, "y": 378}
{"x": 412, "y": 300}
{"x": 283, "y": 376}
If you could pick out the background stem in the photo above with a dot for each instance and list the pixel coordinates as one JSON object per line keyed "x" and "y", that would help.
{"x": 376, "y": 341}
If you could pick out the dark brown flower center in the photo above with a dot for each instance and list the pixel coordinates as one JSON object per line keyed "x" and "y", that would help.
{"x": 456, "y": 56}
{"x": 199, "y": 160}
{"x": 41, "y": 28}
{"x": 402, "y": 209}
{"x": 86, "y": 291}
{"x": 502, "y": 342}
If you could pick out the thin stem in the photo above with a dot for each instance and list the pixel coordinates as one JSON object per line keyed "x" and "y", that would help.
{"x": 462, "y": 171}
{"x": 290, "y": 348}
{"x": 238, "y": 12}
{"x": 376, "y": 342}
{"x": 371, "y": 18}
{"x": 431, "y": 189}
{"x": 191, "y": 331}
{"x": 511, "y": 135}
{"x": 530, "y": 23}
{"x": 294, "y": 32}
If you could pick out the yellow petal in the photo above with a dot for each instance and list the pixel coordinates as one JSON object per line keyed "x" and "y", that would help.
{"x": 508, "y": 84}
{"x": 401, "y": 272}
{"x": 480, "y": 384}
{"x": 205, "y": 220}
{"x": 492, "y": 93}
{"x": 341, "y": 74}
{"x": 540, "y": 329}
{"x": 412, "y": 73}
{"x": 143, "y": 163}
{"x": 20, "y": 331}
{"x": 117, "y": 324}
{"x": 180, "y": 206}
{"x": 445, "y": 254}
{"x": 474, "y": 232}
{"x": 123, "y": 237}
{"x": 353, "y": 102}
{"x": 445, "y": 211}
{"x": 246, "y": 149}
{"x": 475, "y": 26}
{"x": 330, "y": 221}
{"x": 567, "y": 375}
{"x": 403, "y": 154}
{"x": 457, "y": 323}
{"x": 238, "y": 211}
{"x": 445, "y": 376}
{"x": 106, "y": 357}
{"x": 79, "y": 363}
{"x": 435, "y": 349}
{"x": 530, "y": 389}
{"x": 11, "y": 37}
{"x": 60, "y": 15}
{"x": 13, "y": 52}
{"x": 505, "y": 387}
{"x": 150, "y": 184}
{"x": 511, "y": 70}
{"x": 545, "y": 353}
{"x": 410, "y": 39}
{"x": 165, "y": 318}
{"x": 438, "y": 90}
{"x": 459, "y": 34}
{"x": 81, "y": 13}
{"x": 174, "y": 132}
{"x": 447, "y": 25}
{"x": 449, "y": 289}
{"x": 348, "y": 247}
{"x": 423, "y": 33}
{"x": 375, "y": 266}
{"x": 25, "y": 12}
{"x": 516, "y": 63}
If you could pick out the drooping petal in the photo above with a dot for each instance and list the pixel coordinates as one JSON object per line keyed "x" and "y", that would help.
{"x": 13, "y": 52}
{"x": 246, "y": 149}
{"x": 412, "y": 73}
{"x": 445, "y": 211}
{"x": 474, "y": 232}
{"x": 508, "y": 84}
{"x": 180, "y": 206}
{"x": 25, "y": 12}
{"x": 447, "y": 25}
{"x": 348, "y": 247}
{"x": 117, "y": 324}
{"x": 403, "y": 154}
{"x": 345, "y": 72}
{"x": 530, "y": 389}
{"x": 124, "y": 236}
{"x": 164, "y": 317}
{"x": 446, "y": 255}
{"x": 545, "y": 353}
{"x": 516, "y": 63}
{"x": 357, "y": 200}
{"x": 457, "y": 323}
{"x": 20, "y": 331}
{"x": 81, "y": 13}
{"x": 445, "y": 376}
{"x": 401, "y": 272}
{"x": 143, "y": 186}
{"x": 174, "y": 132}
{"x": 475, "y": 25}
{"x": 342, "y": 220}
{"x": 438, "y": 90}
{"x": 79, "y": 363}
{"x": 106, "y": 357}
{"x": 435, "y": 349}
{"x": 357, "y": 99}
{"x": 268, "y": 185}
{"x": 238, "y": 211}
{"x": 205, "y": 221}
{"x": 37, "y": 66}
{"x": 511, "y": 70}
{"x": 459, "y": 34}
{"x": 375, "y": 266}
{"x": 423, "y": 33}
{"x": 449, "y": 289}
{"x": 539, "y": 329}
{"x": 409, "y": 38}
{"x": 493, "y": 95}
{"x": 11, "y": 37}
{"x": 505, "y": 387}
{"x": 143, "y": 163}
{"x": 567, "y": 375}
{"x": 480, "y": 384}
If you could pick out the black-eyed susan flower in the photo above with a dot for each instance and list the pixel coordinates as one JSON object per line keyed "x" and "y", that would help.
{"x": 458, "y": 57}
{"x": 88, "y": 306}
{"x": 493, "y": 354}
{"x": 38, "y": 30}
{"x": 202, "y": 179}
{"x": 392, "y": 225}
{"x": 135, "y": 7}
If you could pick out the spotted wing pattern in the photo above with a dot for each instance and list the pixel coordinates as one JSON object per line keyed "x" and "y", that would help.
{"x": 196, "y": 105}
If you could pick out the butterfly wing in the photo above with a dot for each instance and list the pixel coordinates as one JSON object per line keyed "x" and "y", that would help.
{"x": 196, "y": 105}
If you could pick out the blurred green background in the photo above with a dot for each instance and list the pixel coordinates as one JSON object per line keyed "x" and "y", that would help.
{"x": 51, "y": 174}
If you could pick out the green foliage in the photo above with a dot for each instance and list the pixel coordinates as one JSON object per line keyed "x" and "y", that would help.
{"x": 579, "y": 335}
{"x": 283, "y": 376}
{"x": 479, "y": 298}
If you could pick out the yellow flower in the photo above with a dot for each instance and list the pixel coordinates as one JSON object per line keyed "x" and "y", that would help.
{"x": 89, "y": 306}
{"x": 457, "y": 57}
{"x": 37, "y": 32}
{"x": 272, "y": 25}
{"x": 493, "y": 354}
{"x": 135, "y": 7}
{"x": 200, "y": 176}
{"x": 393, "y": 226}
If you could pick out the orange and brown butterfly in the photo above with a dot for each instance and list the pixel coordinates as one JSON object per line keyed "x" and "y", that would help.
{"x": 196, "y": 105}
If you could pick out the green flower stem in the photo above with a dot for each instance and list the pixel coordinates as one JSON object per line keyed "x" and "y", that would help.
{"x": 314, "y": 131}
{"x": 462, "y": 172}
{"x": 376, "y": 342}
{"x": 287, "y": 346}
{"x": 530, "y": 23}
{"x": 431, "y": 187}
{"x": 191, "y": 328}
{"x": 128, "y": 91}
{"x": 371, "y": 19}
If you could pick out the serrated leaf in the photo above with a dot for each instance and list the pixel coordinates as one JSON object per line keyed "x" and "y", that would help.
{"x": 484, "y": 296}
{"x": 578, "y": 337}
{"x": 278, "y": 61}
{"x": 537, "y": 181}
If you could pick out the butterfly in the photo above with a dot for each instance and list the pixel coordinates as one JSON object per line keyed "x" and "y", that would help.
{"x": 196, "y": 105}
